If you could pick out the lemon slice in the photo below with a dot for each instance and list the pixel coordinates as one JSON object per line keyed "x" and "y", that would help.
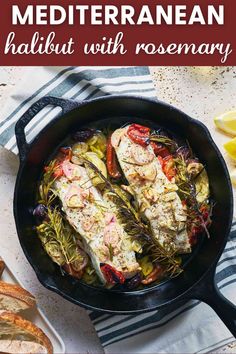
{"x": 227, "y": 122}
{"x": 230, "y": 147}
{"x": 233, "y": 177}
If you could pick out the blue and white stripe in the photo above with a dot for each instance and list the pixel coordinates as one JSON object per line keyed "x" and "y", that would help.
{"x": 190, "y": 328}
{"x": 78, "y": 83}
{"x": 132, "y": 332}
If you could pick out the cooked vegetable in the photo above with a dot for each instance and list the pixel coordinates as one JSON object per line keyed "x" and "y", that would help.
{"x": 76, "y": 268}
{"x": 119, "y": 208}
{"x": 155, "y": 192}
{"x": 93, "y": 157}
{"x": 157, "y": 273}
{"x": 112, "y": 165}
{"x": 159, "y": 149}
{"x": 57, "y": 169}
{"x": 98, "y": 141}
{"x": 134, "y": 282}
{"x": 194, "y": 168}
{"x": 187, "y": 189}
{"x": 146, "y": 265}
{"x": 94, "y": 218}
{"x": 170, "y": 144}
{"x": 56, "y": 235}
{"x": 67, "y": 152}
{"x": 112, "y": 275}
{"x": 183, "y": 152}
{"x": 59, "y": 239}
{"x": 168, "y": 166}
{"x": 79, "y": 149}
{"x": 40, "y": 211}
{"x": 84, "y": 135}
{"x": 139, "y": 134}
{"x": 98, "y": 152}
{"x": 140, "y": 231}
{"x": 77, "y": 160}
{"x": 202, "y": 186}
{"x": 90, "y": 276}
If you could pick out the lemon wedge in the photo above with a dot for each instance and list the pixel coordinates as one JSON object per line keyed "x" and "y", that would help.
{"x": 227, "y": 122}
{"x": 233, "y": 177}
{"x": 230, "y": 147}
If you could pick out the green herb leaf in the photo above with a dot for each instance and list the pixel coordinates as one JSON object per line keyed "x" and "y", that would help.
{"x": 137, "y": 230}
{"x": 57, "y": 236}
{"x": 111, "y": 252}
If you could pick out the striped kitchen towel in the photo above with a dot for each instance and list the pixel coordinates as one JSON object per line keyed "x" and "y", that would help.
{"x": 77, "y": 83}
{"x": 192, "y": 328}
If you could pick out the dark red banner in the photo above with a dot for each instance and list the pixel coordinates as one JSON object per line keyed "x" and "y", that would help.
{"x": 72, "y": 32}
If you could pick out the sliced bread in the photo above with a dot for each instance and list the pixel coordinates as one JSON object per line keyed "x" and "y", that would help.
{"x": 19, "y": 336}
{"x": 14, "y": 298}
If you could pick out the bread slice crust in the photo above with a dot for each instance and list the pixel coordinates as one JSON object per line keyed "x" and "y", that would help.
{"x": 28, "y": 328}
{"x": 18, "y": 293}
{"x": 2, "y": 267}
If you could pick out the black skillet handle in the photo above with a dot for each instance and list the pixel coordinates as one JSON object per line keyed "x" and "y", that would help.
{"x": 208, "y": 292}
{"x": 66, "y": 105}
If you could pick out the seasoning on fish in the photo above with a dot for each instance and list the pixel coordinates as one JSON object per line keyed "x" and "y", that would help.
{"x": 118, "y": 208}
{"x": 89, "y": 214}
{"x": 154, "y": 191}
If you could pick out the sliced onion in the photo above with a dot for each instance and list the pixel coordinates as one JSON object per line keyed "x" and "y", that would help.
{"x": 183, "y": 152}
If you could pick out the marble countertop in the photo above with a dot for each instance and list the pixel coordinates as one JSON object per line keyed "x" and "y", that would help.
{"x": 201, "y": 92}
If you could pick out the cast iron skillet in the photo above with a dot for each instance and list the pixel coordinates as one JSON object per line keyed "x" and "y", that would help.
{"x": 197, "y": 281}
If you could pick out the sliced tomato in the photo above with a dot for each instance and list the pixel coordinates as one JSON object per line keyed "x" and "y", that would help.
{"x": 195, "y": 230}
{"x": 112, "y": 275}
{"x": 141, "y": 128}
{"x": 64, "y": 154}
{"x": 67, "y": 152}
{"x": 112, "y": 164}
{"x": 159, "y": 149}
{"x": 57, "y": 170}
{"x": 169, "y": 167}
{"x": 139, "y": 134}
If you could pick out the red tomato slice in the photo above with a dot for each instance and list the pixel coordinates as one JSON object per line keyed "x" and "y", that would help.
{"x": 159, "y": 149}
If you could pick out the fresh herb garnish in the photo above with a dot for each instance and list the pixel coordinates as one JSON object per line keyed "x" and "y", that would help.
{"x": 187, "y": 191}
{"x": 111, "y": 252}
{"x": 57, "y": 236}
{"x": 137, "y": 230}
{"x": 170, "y": 143}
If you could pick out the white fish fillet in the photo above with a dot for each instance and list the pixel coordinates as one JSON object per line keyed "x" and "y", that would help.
{"x": 93, "y": 218}
{"x": 155, "y": 194}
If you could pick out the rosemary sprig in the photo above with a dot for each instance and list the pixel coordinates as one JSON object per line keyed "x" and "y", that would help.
{"x": 168, "y": 259}
{"x": 46, "y": 192}
{"x": 170, "y": 143}
{"x": 187, "y": 190}
{"x": 137, "y": 230}
{"x": 130, "y": 163}
{"x": 55, "y": 233}
{"x": 111, "y": 252}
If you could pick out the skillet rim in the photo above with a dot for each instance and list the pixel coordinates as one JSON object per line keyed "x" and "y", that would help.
{"x": 76, "y": 105}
